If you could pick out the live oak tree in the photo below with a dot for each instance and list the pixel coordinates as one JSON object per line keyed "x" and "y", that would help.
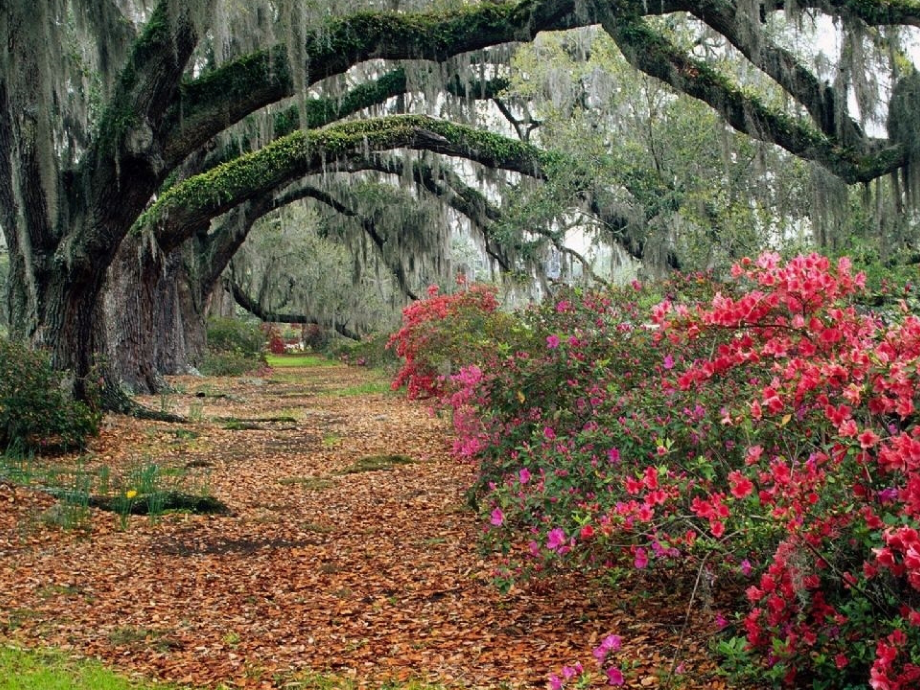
{"x": 114, "y": 116}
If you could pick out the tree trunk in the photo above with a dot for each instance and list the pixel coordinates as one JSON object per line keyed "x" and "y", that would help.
{"x": 180, "y": 315}
{"x": 129, "y": 301}
{"x": 154, "y": 316}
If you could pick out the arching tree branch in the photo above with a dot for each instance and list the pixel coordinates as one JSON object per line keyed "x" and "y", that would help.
{"x": 190, "y": 205}
{"x": 652, "y": 53}
{"x": 256, "y": 309}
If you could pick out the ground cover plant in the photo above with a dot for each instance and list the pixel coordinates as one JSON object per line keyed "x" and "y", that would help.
{"x": 33, "y": 670}
{"x": 35, "y": 412}
{"x": 234, "y": 347}
{"x": 760, "y": 433}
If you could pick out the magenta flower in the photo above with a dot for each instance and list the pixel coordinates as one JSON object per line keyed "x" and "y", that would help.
{"x": 552, "y": 341}
{"x": 524, "y": 475}
{"x": 498, "y": 517}
{"x": 611, "y": 643}
{"x": 555, "y": 682}
{"x": 746, "y": 567}
{"x": 555, "y": 538}
{"x": 549, "y": 433}
{"x": 669, "y": 362}
{"x": 615, "y": 676}
{"x": 641, "y": 559}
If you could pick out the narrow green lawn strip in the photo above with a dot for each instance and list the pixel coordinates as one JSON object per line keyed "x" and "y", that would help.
{"x": 366, "y": 388}
{"x": 286, "y": 361}
{"x": 22, "y": 669}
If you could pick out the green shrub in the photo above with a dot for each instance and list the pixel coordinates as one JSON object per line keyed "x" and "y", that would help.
{"x": 35, "y": 410}
{"x": 225, "y": 363}
{"x": 231, "y": 335}
{"x": 370, "y": 351}
{"x": 234, "y": 347}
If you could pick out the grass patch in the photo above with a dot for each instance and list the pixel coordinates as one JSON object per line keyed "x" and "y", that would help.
{"x": 286, "y": 361}
{"x": 310, "y": 483}
{"x": 253, "y": 423}
{"x": 375, "y": 463}
{"x": 311, "y": 680}
{"x": 317, "y": 528}
{"x": 22, "y": 669}
{"x": 139, "y": 637}
{"x": 366, "y": 388}
{"x": 331, "y": 440}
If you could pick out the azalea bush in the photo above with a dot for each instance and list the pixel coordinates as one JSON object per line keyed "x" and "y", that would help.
{"x": 761, "y": 431}
{"x": 444, "y": 332}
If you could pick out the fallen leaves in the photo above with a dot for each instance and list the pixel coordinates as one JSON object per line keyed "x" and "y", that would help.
{"x": 355, "y": 557}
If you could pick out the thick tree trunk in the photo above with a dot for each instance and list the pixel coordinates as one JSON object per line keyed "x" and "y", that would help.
{"x": 129, "y": 301}
{"x": 180, "y": 315}
{"x": 154, "y": 316}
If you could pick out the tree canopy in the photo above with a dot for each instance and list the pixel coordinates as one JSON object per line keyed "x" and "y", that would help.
{"x": 152, "y": 127}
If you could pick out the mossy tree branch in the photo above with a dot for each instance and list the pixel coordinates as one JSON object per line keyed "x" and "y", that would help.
{"x": 653, "y": 54}
{"x": 189, "y": 206}
{"x": 819, "y": 99}
{"x": 214, "y": 101}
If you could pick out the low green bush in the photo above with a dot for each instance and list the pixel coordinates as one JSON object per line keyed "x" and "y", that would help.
{"x": 234, "y": 348}
{"x": 232, "y": 335}
{"x": 370, "y": 351}
{"x": 36, "y": 412}
{"x": 228, "y": 363}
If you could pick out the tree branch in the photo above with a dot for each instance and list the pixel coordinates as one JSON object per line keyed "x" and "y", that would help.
{"x": 256, "y": 309}
{"x": 656, "y": 56}
{"x": 210, "y": 103}
{"x": 190, "y": 205}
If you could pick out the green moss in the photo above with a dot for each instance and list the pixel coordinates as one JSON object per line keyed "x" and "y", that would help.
{"x": 431, "y": 35}
{"x": 238, "y": 78}
{"x": 301, "y": 152}
{"x": 376, "y": 463}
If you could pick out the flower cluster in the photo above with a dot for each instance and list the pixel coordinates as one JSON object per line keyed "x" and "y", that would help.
{"x": 768, "y": 421}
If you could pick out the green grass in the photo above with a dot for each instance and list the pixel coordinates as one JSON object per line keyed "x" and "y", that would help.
{"x": 22, "y": 669}
{"x": 375, "y": 463}
{"x": 283, "y": 361}
{"x": 366, "y": 388}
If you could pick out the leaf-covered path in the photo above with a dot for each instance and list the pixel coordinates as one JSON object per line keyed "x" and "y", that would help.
{"x": 323, "y": 566}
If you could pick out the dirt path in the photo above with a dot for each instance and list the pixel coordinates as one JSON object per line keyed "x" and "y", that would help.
{"x": 367, "y": 575}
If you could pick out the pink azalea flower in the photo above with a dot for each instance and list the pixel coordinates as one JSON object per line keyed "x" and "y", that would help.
{"x": 555, "y": 538}
{"x": 552, "y": 341}
{"x": 498, "y": 517}
{"x": 641, "y": 559}
{"x": 568, "y": 672}
{"x": 615, "y": 676}
{"x": 524, "y": 475}
{"x": 555, "y": 682}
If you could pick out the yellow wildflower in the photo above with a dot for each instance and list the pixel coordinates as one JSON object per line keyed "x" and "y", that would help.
{"x": 130, "y": 493}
